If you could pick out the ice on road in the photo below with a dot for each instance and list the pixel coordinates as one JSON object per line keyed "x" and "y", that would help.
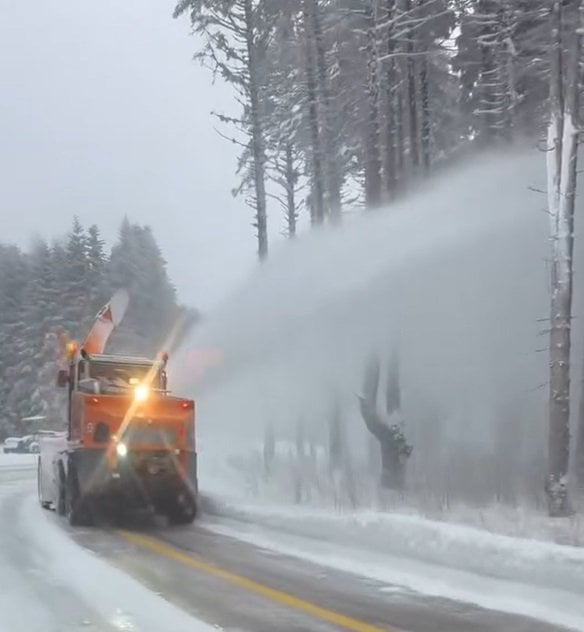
{"x": 48, "y": 583}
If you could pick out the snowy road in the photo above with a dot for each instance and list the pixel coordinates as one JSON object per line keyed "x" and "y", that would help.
{"x": 151, "y": 579}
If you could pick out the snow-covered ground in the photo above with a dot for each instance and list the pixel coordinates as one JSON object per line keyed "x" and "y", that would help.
{"x": 48, "y": 582}
{"x": 546, "y": 603}
{"x": 18, "y": 461}
{"x": 125, "y": 603}
{"x": 483, "y": 561}
{"x": 307, "y": 482}
{"x": 528, "y": 577}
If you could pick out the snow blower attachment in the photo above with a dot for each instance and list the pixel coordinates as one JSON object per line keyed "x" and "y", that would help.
{"x": 128, "y": 442}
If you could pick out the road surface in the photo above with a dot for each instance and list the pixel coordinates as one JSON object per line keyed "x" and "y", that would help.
{"x": 49, "y": 582}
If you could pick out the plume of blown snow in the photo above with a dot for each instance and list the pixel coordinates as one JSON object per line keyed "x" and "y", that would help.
{"x": 454, "y": 278}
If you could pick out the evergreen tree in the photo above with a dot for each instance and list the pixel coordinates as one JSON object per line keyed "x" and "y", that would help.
{"x": 13, "y": 281}
{"x": 96, "y": 262}
{"x": 45, "y": 399}
{"x": 41, "y": 310}
{"x": 235, "y": 34}
{"x": 137, "y": 264}
{"x": 75, "y": 281}
{"x": 53, "y": 293}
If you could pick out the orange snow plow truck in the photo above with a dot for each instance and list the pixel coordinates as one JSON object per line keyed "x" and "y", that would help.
{"x": 128, "y": 441}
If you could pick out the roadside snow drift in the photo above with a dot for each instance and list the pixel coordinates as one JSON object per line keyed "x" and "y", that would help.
{"x": 536, "y": 579}
{"x": 123, "y": 602}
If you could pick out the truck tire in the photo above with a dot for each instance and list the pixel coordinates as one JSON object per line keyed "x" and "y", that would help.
{"x": 78, "y": 510}
{"x": 44, "y": 503}
{"x": 61, "y": 492}
{"x": 180, "y": 516}
{"x": 182, "y": 513}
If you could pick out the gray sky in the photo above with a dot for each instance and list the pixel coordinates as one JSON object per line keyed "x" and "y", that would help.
{"x": 103, "y": 112}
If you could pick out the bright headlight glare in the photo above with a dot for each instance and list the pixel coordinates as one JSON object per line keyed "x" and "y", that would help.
{"x": 141, "y": 393}
{"x": 122, "y": 449}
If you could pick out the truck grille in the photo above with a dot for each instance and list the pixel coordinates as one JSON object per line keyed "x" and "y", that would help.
{"x": 151, "y": 436}
{"x": 152, "y": 463}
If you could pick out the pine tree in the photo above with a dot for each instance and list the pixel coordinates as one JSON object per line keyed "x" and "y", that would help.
{"x": 13, "y": 281}
{"x": 40, "y": 313}
{"x": 285, "y": 102}
{"x": 45, "y": 399}
{"x": 96, "y": 262}
{"x": 235, "y": 33}
{"x": 75, "y": 288}
{"x": 504, "y": 68}
{"x": 137, "y": 265}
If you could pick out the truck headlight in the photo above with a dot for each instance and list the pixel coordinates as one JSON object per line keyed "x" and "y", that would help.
{"x": 141, "y": 393}
{"x": 122, "y": 449}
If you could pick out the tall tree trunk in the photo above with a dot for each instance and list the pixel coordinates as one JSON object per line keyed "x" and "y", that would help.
{"x": 579, "y": 452}
{"x": 558, "y": 437}
{"x": 412, "y": 92}
{"x": 389, "y": 166}
{"x": 317, "y": 188}
{"x": 506, "y": 71}
{"x": 291, "y": 178}
{"x": 333, "y": 186}
{"x": 562, "y": 175}
{"x": 372, "y": 141}
{"x": 426, "y": 122}
{"x": 400, "y": 132}
{"x": 257, "y": 139}
{"x": 489, "y": 76}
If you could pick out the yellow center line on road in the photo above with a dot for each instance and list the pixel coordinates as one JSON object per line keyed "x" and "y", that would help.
{"x": 277, "y": 596}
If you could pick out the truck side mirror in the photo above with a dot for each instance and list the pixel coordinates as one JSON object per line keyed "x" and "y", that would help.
{"x": 62, "y": 378}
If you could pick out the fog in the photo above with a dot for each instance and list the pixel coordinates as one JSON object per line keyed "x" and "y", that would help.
{"x": 454, "y": 278}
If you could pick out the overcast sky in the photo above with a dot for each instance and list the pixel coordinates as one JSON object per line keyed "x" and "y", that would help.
{"x": 102, "y": 113}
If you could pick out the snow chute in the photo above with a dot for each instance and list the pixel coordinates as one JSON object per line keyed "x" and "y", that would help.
{"x": 107, "y": 319}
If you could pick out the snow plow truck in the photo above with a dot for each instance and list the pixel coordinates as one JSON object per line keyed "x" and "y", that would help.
{"x": 128, "y": 442}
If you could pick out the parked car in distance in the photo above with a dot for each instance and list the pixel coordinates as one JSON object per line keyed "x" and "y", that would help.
{"x": 21, "y": 445}
{"x": 11, "y": 445}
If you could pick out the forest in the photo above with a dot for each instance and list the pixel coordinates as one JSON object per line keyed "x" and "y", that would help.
{"x": 53, "y": 292}
{"x": 352, "y": 102}
{"x": 347, "y": 104}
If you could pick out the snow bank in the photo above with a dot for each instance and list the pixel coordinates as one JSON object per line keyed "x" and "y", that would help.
{"x": 122, "y": 601}
{"x": 526, "y": 577}
{"x": 18, "y": 461}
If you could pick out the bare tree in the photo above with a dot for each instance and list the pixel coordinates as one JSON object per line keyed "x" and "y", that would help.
{"x": 393, "y": 445}
{"x": 269, "y": 449}
{"x": 562, "y": 174}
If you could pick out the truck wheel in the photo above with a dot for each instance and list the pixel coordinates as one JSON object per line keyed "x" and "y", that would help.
{"x": 182, "y": 513}
{"x": 44, "y": 504}
{"x": 78, "y": 512}
{"x": 62, "y": 494}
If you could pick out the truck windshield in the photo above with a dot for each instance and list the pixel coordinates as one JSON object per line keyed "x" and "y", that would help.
{"x": 121, "y": 376}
